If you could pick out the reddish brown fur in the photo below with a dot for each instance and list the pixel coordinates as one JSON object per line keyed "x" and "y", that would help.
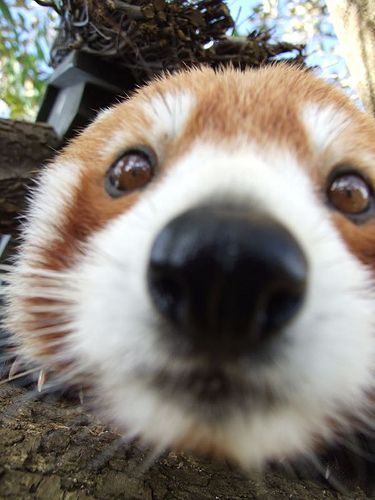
{"x": 263, "y": 106}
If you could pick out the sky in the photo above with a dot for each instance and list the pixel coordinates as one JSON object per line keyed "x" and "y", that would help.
{"x": 323, "y": 51}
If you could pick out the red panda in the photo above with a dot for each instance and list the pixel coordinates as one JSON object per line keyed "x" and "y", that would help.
{"x": 201, "y": 260}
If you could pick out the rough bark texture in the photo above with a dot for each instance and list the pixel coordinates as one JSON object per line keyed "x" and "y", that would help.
{"x": 24, "y": 147}
{"x": 54, "y": 450}
{"x": 354, "y": 22}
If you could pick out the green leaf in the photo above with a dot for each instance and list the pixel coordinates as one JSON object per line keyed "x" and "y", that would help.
{"x": 40, "y": 51}
{"x": 6, "y": 12}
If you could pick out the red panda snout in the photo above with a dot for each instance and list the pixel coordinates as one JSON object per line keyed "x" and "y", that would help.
{"x": 227, "y": 278}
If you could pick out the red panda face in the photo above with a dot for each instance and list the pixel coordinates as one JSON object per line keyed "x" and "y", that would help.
{"x": 201, "y": 258}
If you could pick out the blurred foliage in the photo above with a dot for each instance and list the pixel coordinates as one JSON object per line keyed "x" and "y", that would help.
{"x": 25, "y": 30}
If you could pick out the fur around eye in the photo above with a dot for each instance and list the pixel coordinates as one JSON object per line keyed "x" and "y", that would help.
{"x": 133, "y": 170}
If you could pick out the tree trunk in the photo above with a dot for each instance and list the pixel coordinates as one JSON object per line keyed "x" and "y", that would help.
{"x": 53, "y": 449}
{"x": 24, "y": 148}
{"x": 354, "y": 22}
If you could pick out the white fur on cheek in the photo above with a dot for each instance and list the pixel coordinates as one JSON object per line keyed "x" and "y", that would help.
{"x": 51, "y": 200}
{"x": 321, "y": 371}
{"x": 50, "y": 205}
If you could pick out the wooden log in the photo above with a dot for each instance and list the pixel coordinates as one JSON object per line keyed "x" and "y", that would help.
{"x": 55, "y": 450}
{"x": 354, "y": 22}
{"x": 24, "y": 148}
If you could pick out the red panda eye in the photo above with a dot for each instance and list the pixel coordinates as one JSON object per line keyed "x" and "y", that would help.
{"x": 133, "y": 170}
{"x": 350, "y": 194}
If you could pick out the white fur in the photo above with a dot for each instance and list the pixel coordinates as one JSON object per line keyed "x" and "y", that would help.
{"x": 168, "y": 114}
{"x": 114, "y": 145}
{"x": 320, "y": 373}
{"x": 103, "y": 114}
{"x": 324, "y": 126}
{"x": 50, "y": 201}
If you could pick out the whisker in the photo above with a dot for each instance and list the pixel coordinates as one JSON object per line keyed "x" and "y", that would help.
{"x": 60, "y": 328}
{"x": 6, "y": 267}
{"x": 40, "y": 293}
{"x": 41, "y": 380}
{"x": 47, "y": 308}
{"x": 70, "y": 375}
{"x": 45, "y": 284}
{"x": 34, "y": 272}
{"x": 15, "y": 368}
{"x": 20, "y": 375}
{"x": 40, "y": 321}
{"x": 325, "y": 473}
{"x": 42, "y": 283}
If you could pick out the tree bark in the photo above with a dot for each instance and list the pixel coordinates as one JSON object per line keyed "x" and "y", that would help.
{"x": 53, "y": 449}
{"x": 354, "y": 22}
{"x": 24, "y": 148}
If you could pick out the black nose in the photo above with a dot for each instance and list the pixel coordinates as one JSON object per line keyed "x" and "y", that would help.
{"x": 226, "y": 278}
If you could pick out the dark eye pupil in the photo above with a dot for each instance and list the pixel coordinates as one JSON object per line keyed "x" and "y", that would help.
{"x": 350, "y": 194}
{"x": 133, "y": 170}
